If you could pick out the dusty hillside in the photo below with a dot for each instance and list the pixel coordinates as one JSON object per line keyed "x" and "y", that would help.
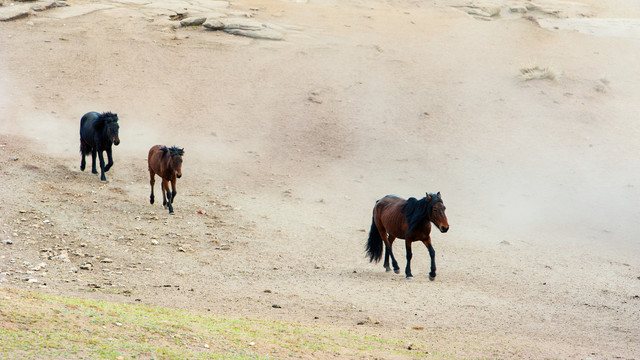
{"x": 530, "y": 133}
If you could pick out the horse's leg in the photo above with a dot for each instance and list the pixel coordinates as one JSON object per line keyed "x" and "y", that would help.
{"x": 152, "y": 181}
{"x": 386, "y": 255}
{"x": 102, "y": 170}
{"x": 432, "y": 254}
{"x": 109, "y": 160}
{"x": 387, "y": 248}
{"x": 93, "y": 161}
{"x": 407, "y": 270}
{"x": 166, "y": 195}
{"x": 83, "y": 162}
{"x": 396, "y": 268}
{"x": 165, "y": 190}
{"x": 173, "y": 190}
{"x": 169, "y": 198}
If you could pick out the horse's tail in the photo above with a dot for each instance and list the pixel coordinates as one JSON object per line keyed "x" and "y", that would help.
{"x": 374, "y": 244}
{"x": 85, "y": 149}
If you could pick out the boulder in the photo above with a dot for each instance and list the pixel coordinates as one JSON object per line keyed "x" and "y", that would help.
{"x": 14, "y": 12}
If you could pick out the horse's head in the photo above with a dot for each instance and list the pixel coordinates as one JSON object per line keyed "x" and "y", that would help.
{"x": 437, "y": 215}
{"x": 112, "y": 128}
{"x": 176, "y": 160}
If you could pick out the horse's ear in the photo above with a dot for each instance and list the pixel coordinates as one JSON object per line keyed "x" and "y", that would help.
{"x": 428, "y": 197}
{"x": 439, "y": 194}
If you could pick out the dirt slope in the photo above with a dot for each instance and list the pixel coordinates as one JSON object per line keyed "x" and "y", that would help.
{"x": 289, "y": 143}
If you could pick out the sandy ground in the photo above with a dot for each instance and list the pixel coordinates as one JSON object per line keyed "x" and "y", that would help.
{"x": 289, "y": 143}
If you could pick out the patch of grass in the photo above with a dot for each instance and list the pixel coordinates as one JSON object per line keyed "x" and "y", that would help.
{"x": 537, "y": 73}
{"x": 39, "y": 326}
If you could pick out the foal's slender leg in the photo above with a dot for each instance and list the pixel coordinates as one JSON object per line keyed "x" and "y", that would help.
{"x": 173, "y": 190}
{"x": 165, "y": 191}
{"x": 166, "y": 195}
{"x": 152, "y": 182}
{"x": 432, "y": 255}
{"x": 169, "y": 197}
{"x": 93, "y": 161}
{"x": 407, "y": 270}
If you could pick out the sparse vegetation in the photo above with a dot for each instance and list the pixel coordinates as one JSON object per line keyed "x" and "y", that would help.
{"x": 39, "y": 326}
{"x": 537, "y": 73}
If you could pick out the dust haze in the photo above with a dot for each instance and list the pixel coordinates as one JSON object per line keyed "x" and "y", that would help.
{"x": 541, "y": 177}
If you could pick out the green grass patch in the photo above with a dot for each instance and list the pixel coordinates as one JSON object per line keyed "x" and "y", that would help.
{"x": 40, "y": 326}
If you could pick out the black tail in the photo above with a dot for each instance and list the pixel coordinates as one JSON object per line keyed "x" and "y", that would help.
{"x": 374, "y": 244}
{"x": 85, "y": 149}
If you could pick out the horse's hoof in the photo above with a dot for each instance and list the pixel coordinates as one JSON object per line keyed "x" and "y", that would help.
{"x": 103, "y": 180}
{"x": 432, "y": 277}
{"x": 171, "y": 213}
{"x": 94, "y": 171}
{"x": 387, "y": 270}
{"x": 397, "y": 271}
{"x": 409, "y": 277}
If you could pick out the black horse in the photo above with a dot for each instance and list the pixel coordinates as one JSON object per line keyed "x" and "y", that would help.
{"x": 97, "y": 133}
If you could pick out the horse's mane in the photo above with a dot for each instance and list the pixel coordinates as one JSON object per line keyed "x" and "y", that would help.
{"x": 105, "y": 118}
{"x": 417, "y": 211}
{"x": 174, "y": 150}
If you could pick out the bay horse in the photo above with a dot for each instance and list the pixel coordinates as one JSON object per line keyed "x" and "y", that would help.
{"x": 97, "y": 133}
{"x": 166, "y": 163}
{"x": 394, "y": 217}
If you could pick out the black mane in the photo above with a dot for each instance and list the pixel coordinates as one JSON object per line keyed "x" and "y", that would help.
{"x": 104, "y": 119}
{"x": 417, "y": 211}
{"x": 174, "y": 150}
{"x": 107, "y": 117}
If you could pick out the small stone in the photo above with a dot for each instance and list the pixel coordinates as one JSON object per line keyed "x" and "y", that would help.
{"x": 193, "y": 21}
{"x": 8, "y": 242}
{"x": 213, "y": 24}
{"x": 154, "y": 242}
{"x": 106, "y": 261}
